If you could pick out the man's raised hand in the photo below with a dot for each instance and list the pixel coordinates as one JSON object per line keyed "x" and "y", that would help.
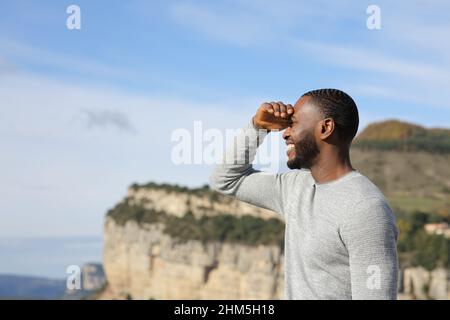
{"x": 273, "y": 116}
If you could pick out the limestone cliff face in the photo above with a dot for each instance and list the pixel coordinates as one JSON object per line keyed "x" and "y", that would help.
{"x": 143, "y": 262}
{"x": 177, "y": 202}
{"x": 420, "y": 284}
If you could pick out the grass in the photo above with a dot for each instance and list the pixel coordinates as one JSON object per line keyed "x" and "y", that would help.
{"x": 411, "y": 204}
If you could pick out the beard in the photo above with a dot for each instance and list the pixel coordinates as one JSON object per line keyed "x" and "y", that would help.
{"x": 306, "y": 152}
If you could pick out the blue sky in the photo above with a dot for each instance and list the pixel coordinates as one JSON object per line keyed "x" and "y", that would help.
{"x": 85, "y": 113}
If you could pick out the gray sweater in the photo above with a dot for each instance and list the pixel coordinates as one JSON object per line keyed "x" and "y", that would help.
{"x": 340, "y": 236}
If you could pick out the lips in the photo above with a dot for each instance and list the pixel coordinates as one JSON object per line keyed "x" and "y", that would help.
{"x": 290, "y": 148}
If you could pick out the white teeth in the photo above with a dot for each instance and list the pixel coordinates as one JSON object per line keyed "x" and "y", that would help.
{"x": 290, "y": 147}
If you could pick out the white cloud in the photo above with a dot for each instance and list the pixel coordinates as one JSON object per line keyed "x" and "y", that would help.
{"x": 6, "y": 66}
{"x": 385, "y": 76}
{"x": 16, "y": 50}
{"x": 258, "y": 22}
{"x": 14, "y": 54}
{"x": 368, "y": 59}
{"x": 239, "y": 28}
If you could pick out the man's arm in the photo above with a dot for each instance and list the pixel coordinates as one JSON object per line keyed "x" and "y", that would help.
{"x": 370, "y": 235}
{"x": 235, "y": 176}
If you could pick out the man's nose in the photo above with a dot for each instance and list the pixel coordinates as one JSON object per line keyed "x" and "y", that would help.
{"x": 286, "y": 133}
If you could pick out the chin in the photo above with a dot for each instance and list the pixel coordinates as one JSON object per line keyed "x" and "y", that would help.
{"x": 294, "y": 164}
{"x": 297, "y": 162}
{"x": 291, "y": 166}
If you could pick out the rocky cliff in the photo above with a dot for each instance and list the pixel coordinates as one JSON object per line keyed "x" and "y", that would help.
{"x": 143, "y": 260}
{"x": 145, "y": 263}
{"x": 420, "y": 284}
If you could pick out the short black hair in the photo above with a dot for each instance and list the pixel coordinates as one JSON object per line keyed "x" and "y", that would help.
{"x": 339, "y": 106}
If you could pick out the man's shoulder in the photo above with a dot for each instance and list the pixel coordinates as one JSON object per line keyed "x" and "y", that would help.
{"x": 368, "y": 201}
{"x": 359, "y": 195}
{"x": 362, "y": 188}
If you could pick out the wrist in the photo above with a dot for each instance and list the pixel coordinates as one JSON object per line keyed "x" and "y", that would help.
{"x": 256, "y": 126}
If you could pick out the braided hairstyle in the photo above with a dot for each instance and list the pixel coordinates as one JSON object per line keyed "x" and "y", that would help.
{"x": 340, "y": 107}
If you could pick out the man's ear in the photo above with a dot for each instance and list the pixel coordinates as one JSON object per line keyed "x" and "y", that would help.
{"x": 327, "y": 127}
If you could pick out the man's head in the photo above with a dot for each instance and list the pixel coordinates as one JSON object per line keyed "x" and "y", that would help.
{"x": 321, "y": 117}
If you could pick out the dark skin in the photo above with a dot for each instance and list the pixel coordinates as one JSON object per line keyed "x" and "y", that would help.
{"x": 333, "y": 159}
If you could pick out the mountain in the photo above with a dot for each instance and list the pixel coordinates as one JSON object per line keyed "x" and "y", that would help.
{"x": 409, "y": 163}
{"x": 92, "y": 279}
{"x": 27, "y": 287}
{"x": 411, "y": 180}
{"x": 403, "y": 136}
{"x": 390, "y": 130}
{"x": 170, "y": 242}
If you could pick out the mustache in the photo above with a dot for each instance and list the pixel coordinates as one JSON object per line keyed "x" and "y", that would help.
{"x": 306, "y": 151}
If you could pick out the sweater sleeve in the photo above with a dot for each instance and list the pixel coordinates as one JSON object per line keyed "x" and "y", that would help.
{"x": 236, "y": 177}
{"x": 370, "y": 236}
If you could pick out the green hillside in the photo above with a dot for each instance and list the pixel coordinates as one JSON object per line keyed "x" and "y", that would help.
{"x": 409, "y": 163}
{"x": 403, "y": 136}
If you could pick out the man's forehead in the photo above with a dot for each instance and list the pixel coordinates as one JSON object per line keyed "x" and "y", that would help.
{"x": 303, "y": 106}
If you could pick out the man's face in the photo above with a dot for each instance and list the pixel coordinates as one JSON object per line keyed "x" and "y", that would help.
{"x": 300, "y": 135}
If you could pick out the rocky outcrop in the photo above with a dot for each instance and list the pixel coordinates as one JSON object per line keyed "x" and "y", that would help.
{"x": 92, "y": 276}
{"x": 93, "y": 283}
{"x": 201, "y": 202}
{"x": 418, "y": 283}
{"x": 141, "y": 262}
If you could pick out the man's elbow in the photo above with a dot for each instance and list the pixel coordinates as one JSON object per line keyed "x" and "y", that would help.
{"x": 222, "y": 184}
{"x": 217, "y": 182}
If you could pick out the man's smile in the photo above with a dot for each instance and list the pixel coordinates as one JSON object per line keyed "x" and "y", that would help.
{"x": 290, "y": 149}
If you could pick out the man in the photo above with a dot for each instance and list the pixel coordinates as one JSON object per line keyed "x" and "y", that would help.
{"x": 340, "y": 236}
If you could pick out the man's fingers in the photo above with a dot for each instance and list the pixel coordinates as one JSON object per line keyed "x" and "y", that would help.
{"x": 267, "y": 107}
{"x": 273, "y": 115}
{"x": 276, "y": 109}
{"x": 290, "y": 109}
{"x": 283, "y": 113}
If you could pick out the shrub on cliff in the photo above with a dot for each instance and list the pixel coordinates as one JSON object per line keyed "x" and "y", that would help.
{"x": 124, "y": 212}
{"x": 247, "y": 230}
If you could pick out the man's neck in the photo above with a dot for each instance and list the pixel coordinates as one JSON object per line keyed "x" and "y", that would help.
{"x": 331, "y": 165}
